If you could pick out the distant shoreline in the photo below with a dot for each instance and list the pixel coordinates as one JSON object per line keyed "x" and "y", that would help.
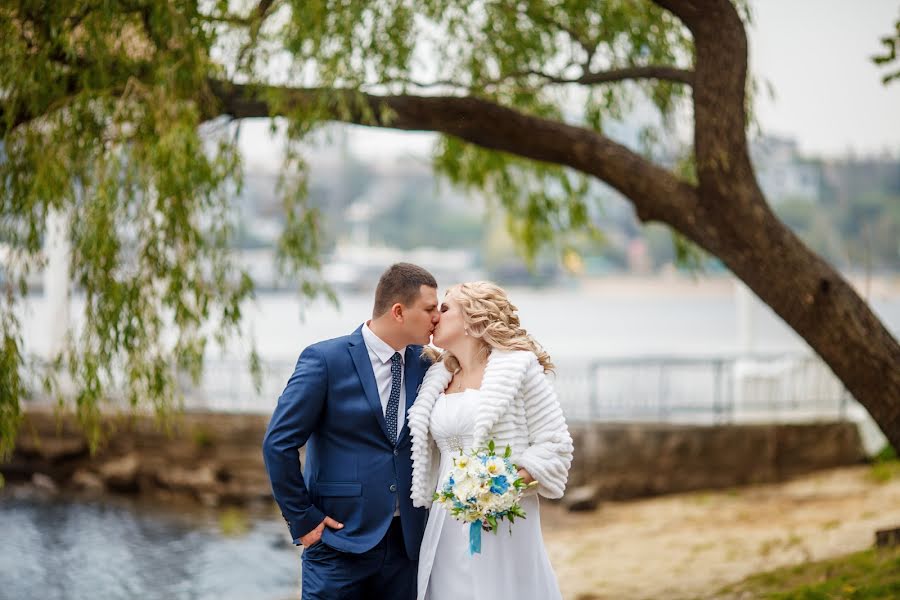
{"x": 877, "y": 287}
{"x": 676, "y": 284}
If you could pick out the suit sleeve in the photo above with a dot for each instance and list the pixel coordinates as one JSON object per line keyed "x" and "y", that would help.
{"x": 549, "y": 453}
{"x": 294, "y": 419}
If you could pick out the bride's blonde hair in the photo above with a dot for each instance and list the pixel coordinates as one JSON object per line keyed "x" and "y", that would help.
{"x": 490, "y": 317}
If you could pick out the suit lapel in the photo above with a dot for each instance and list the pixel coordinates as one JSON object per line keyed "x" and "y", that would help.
{"x": 363, "y": 364}
{"x": 412, "y": 376}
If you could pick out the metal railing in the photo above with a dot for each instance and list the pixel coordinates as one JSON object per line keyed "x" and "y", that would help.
{"x": 666, "y": 389}
{"x": 701, "y": 389}
{"x": 660, "y": 388}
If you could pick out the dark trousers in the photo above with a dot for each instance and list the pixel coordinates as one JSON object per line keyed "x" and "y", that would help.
{"x": 383, "y": 572}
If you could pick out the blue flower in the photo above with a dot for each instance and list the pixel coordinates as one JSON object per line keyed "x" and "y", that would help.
{"x": 499, "y": 485}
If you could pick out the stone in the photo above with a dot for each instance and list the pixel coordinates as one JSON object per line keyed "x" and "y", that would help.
{"x": 121, "y": 474}
{"x": 87, "y": 481}
{"x": 44, "y": 483}
{"x": 56, "y": 449}
{"x": 198, "y": 480}
{"x": 581, "y": 499}
{"x": 887, "y": 538}
{"x": 208, "y": 499}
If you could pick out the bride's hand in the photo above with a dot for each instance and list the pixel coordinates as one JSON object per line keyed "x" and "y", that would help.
{"x": 525, "y": 475}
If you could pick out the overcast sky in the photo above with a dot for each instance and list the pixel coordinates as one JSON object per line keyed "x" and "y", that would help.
{"x": 828, "y": 93}
{"x": 814, "y": 53}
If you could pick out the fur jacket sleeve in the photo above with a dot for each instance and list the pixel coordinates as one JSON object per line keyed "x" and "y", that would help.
{"x": 518, "y": 408}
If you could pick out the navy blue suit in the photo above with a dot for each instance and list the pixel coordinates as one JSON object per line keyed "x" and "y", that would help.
{"x": 353, "y": 472}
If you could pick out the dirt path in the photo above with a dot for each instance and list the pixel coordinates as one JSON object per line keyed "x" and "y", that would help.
{"x": 690, "y": 545}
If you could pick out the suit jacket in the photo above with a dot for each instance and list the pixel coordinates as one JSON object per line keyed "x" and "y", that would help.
{"x": 352, "y": 471}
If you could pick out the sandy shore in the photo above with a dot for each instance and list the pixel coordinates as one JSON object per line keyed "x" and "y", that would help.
{"x": 691, "y": 545}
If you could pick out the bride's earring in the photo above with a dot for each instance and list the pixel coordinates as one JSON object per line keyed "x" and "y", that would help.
{"x": 465, "y": 331}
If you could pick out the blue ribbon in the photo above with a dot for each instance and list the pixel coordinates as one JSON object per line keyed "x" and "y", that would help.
{"x": 475, "y": 538}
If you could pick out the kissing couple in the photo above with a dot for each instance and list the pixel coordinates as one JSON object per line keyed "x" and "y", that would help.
{"x": 382, "y": 414}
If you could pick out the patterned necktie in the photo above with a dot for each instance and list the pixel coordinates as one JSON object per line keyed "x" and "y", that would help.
{"x": 390, "y": 414}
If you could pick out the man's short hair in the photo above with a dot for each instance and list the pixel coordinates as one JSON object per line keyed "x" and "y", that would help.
{"x": 401, "y": 283}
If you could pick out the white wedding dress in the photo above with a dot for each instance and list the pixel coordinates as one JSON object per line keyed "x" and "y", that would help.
{"x": 510, "y": 565}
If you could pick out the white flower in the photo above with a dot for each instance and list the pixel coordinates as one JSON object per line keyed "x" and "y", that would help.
{"x": 495, "y": 466}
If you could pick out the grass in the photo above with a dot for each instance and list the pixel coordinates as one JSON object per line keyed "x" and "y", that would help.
{"x": 885, "y": 466}
{"x": 886, "y": 454}
{"x": 793, "y": 540}
{"x": 868, "y": 575}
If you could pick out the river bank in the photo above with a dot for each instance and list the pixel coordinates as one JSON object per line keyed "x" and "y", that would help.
{"x": 676, "y": 547}
{"x": 692, "y": 545}
{"x": 215, "y": 459}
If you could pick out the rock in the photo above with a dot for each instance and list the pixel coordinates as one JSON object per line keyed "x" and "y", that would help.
{"x": 44, "y": 483}
{"x": 584, "y": 498}
{"x": 208, "y": 499}
{"x": 121, "y": 474}
{"x": 87, "y": 481}
{"x": 53, "y": 449}
{"x": 198, "y": 480}
{"x": 887, "y": 538}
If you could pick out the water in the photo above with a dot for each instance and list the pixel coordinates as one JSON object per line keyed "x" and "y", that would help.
{"x": 614, "y": 320}
{"x": 55, "y": 550}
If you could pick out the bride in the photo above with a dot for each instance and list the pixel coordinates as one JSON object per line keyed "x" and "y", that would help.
{"x": 489, "y": 383}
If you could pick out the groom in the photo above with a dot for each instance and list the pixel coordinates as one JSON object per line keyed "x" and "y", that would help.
{"x": 347, "y": 402}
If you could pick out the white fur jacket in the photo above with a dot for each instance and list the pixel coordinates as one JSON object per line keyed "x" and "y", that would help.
{"x": 518, "y": 407}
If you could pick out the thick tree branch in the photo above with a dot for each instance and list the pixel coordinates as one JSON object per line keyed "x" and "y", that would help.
{"x": 720, "y": 76}
{"x": 656, "y": 193}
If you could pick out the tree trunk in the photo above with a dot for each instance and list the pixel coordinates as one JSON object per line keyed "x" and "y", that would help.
{"x": 814, "y": 300}
{"x": 796, "y": 283}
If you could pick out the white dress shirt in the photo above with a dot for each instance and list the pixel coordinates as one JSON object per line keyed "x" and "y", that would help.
{"x": 380, "y": 354}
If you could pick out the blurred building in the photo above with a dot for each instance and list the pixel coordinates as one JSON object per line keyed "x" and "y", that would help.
{"x": 782, "y": 173}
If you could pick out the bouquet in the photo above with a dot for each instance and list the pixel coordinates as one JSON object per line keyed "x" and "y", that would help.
{"x": 481, "y": 489}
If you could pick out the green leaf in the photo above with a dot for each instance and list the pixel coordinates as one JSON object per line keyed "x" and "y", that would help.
{"x": 492, "y": 520}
